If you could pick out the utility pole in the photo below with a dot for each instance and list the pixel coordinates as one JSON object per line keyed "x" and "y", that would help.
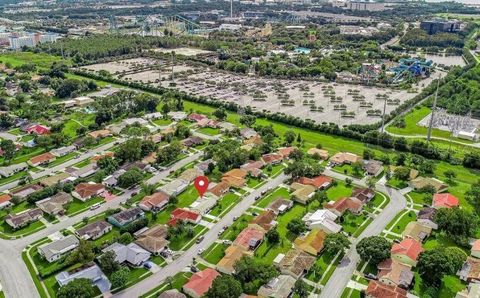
{"x": 434, "y": 106}
{"x": 231, "y": 8}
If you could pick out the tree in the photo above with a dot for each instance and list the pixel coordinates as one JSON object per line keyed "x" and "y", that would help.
{"x": 301, "y": 289}
{"x": 374, "y": 249}
{"x": 120, "y": 277}
{"x": 83, "y": 254}
{"x": 252, "y": 273}
{"x": 248, "y": 120}
{"x": 296, "y": 226}
{"x": 130, "y": 178}
{"x": 402, "y": 173}
{"x": 368, "y": 154}
{"x": 273, "y": 237}
{"x": 289, "y": 137}
{"x": 224, "y": 286}
{"x": 303, "y": 168}
{"x": 220, "y": 113}
{"x": 335, "y": 243}
{"x": 348, "y": 182}
{"x": 434, "y": 264}
{"x": 108, "y": 164}
{"x": 458, "y": 224}
{"x": 8, "y": 148}
{"x": 77, "y": 288}
{"x": 320, "y": 196}
{"x": 107, "y": 262}
{"x": 125, "y": 238}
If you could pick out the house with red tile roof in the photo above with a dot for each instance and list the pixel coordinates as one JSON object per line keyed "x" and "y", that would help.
{"x": 235, "y": 178}
{"x": 363, "y": 194}
{"x": 85, "y": 191}
{"x": 220, "y": 188}
{"x": 285, "y": 151}
{"x": 154, "y": 202}
{"x": 319, "y": 182}
{"x": 407, "y": 251}
{"x": 200, "y": 282}
{"x": 339, "y": 207}
{"x": 5, "y": 201}
{"x": 272, "y": 158}
{"x": 444, "y": 200}
{"x": 41, "y": 159}
{"x": 182, "y": 214}
{"x": 251, "y": 237}
{"x": 194, "y": 117}
{"x": 266, "y": 220}
{"x": 38, "y": 129}
{"x": 253, "y": 167}
{"x": 377, "y": 289}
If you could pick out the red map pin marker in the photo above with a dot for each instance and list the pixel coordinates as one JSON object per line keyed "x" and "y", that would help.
{"x": 201, "y": 184}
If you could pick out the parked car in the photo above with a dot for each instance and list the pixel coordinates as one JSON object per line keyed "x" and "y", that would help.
{"x": 371, "y": 276}
{"x": 200, "y": 251}
{"x": 194, "y": 269}
{"x": 147, "y": 265}
{"x": 199, "y": 239}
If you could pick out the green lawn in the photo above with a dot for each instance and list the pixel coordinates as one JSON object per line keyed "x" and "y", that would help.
{"x": 235, "y": 229}
{"x": 396, "y": 183}
{"x": 187, "y": 197}
{"x": 420, "y": 198}
{"x": 351, "y": 222}
{"x": 62, "y": 159}
{"x": 162, "y": 122}
{"x": 227, "y": 202}
{"x": 403, "y": 222}
{"x": 338, "y": 191}
{"x": 40, "y": 60}
{"x": 214, "y": 253}
{"x": 254, "y": 182}
{"x": 77, "y": 206}
{"x": 27, "y": 230}
{"x": 322, "y": 263}
{"x": 180, "y": 241}
{"x": 209, "y": 131}
{"x": 83, "y": 163}
{"x": 348, "y": 170}
{"x": 277, "y": 193}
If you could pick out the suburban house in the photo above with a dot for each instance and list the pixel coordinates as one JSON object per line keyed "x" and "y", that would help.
{"x": 235, "y": 178}
{"x": 280, "y": 205}
{"x": 319, "y": 182}
{"x": 233, "y": 253}
{"x": 323, "y": 154}
{"x": 475, "y": 251}
{"x": 421, "y": 182}
{"x": 24, "y": 191}
{"x": 373, "y": 167}
{"x": 248, "y": 132}
{"x": 266, "y": 220}
{"x": 250, "y": 238}
{"x": 203, "y": 166}
{"x": 55, "y": 250}
{"x": 90, "y": 271}
{"x": 417, "y": 231}
{"x": 444, "y": 200}
{"x": 175, "y": 187}
{"x": 253, "y": 167}
{"x": 413, "y": 172}
{"x": 38, "y": 129}
{"x": 82, "y": 101}
{"x": 278, "y": 287}
{"x": 286, "y": 151}
{"x": 126, "y": 217}
{"x": 154, "y": 202}
{"x": 470, "y": 271}
{"x": 112, "y": 180}
{"x": 194, "y": 117}
{"x": 312, "y": 242}
{"x": 83, "y": 172}
{"x": 94, "y": 230}
{"x": 177, "y": 116}
{"x": 182, "y": 214}
{"x": 17, "y": 221}
{"x": 226, "y": 126}
{"x": 296, "y": 263}
{"x": 85, "y": 191}
{"x": 363, "y": 194}
{"x": 54, "y": 205}
{"x": 342, "y": 158}
{"x": 52, "y": 180}
{"x": 99, "y": 134}
{"x": 407, "y": 251}
{"x": 252, "y": 142}
{"x": 339, "y": 207}
{"x": 173, "y": 293}
{"x": 272, "y": 158}
{"x": 13, "y": 169}
{"x": 302, "y": 193}
{"x": 378, "y": 289}
{"x": 131, "y": 253}
{"x": 190, "y": 174}
{"x": 219, "y": 189}
{"x": 426, "y": 217}
{"x": 200, "y": 282}
{"x": 154, "y": 239}
{"x": 192, "y": 141}
{"x": 322, "y": 219}
{"x": 204, "y": 204}
{"x": 62, "y": 151}
{"x": 472, "y": 290}
{"x": 41, "y": 159}
{"x": 394, "y": 273}
{"x": 5, "y": 201}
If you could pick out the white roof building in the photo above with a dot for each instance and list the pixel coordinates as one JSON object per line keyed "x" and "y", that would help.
{"x": 131, "y": 253}
{"x": 322, "y": 219}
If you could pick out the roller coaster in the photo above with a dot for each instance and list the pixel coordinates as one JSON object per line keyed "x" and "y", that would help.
{"x": 411, "y": 66}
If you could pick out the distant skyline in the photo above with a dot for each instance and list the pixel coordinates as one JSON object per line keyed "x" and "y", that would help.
{"x": 460, "y": 1}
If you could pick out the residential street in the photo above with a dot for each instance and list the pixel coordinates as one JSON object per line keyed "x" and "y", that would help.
{"x": 343, "y": 273}
{"x": 210, "y": 237}
{"x": 14, "y": 276}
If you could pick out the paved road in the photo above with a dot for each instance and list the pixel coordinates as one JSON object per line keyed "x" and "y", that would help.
{"x": 14, "y": 276}
{"x": 210, "y": 237}
{"x": 343, "y": 273}
{"x": 158, "y": 177}
{"x": 60, "y": 167}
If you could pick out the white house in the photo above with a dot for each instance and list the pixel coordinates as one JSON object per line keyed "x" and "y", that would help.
{"x": 55, "y": 250}
{"x": 131, "y": 253}
{"x": 322, "y": 219}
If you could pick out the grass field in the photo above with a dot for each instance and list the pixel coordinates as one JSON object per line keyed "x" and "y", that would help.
{"x": 209, "y": 131}
{"x": 279, "y": 192}
{"x": 41, "y": 60}
{"x": 226, "y": 203}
